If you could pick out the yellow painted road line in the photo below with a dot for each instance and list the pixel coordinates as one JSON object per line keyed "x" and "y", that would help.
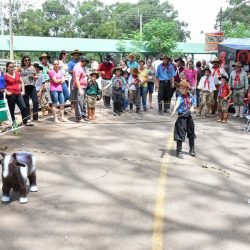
{"x": 157, "y": 238}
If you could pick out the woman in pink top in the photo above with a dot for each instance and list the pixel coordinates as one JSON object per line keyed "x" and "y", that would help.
{"x": 56, "y": 92}
{"x": 191, "y": 76}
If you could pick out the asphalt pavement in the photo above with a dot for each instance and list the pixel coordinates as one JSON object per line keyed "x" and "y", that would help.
{"x": 115, "y": 184}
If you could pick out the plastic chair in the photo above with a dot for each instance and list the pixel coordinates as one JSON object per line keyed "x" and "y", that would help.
{"x": 5, "y": 112}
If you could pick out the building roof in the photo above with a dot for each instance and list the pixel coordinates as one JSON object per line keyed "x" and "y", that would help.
{"x": 55, "y": 44}
{"x": 236, "y": 43}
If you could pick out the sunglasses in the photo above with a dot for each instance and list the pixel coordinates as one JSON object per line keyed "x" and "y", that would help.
{"x": 11, "y": 67}
{"x": 27, "y": 60}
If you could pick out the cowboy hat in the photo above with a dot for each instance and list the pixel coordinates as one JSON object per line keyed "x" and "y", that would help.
{"x": 131, "y": 55}
{"x": 44, "y": 55}
{"x": 76, "y": 51}
{"x": 115, "y": 69}
{"x": 184, "y": 84}
{"x": 207, "y": 69}
{"x": 37, "y": 65}
{"x": 216, "y": 60}
{"x": 237, "y": 64}
{"x": 95, "y": 73}
{"x": 84, "y": 59}
{"x": 179, "y": 59}
{"x": 224, "y": 77}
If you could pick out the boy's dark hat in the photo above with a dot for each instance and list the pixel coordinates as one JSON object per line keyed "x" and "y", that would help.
{"x": 44, "y": 55}
{"x": 179, "y": 59}
{"x": 37, "y": 65}
{"x": 207, "y": 69}
{"x": 239, "y": 64}
{"x": 115, "y": 69}
{"x": 96, "y": 74}
{"x": 184, "y": 84}
{"x": 125, "y": 71}
{"x": 223, "y": 77}
{"x": 84, "y": 59}
{"x": 76, "y": 51}
{"x": 108, "y": 57}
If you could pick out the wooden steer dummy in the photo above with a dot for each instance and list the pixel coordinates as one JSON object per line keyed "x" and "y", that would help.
{"x": 16, "y": 169}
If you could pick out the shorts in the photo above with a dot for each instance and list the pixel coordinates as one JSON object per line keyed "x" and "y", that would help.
{"x": 151, "y": 87}
{"x": 57, "y": 97}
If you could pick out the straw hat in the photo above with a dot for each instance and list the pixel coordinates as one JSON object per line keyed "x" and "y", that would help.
{"x": 184, "y": 84}
{"x": 44, "y": 55}
{"x": 237, "y": 64}
{"x": 216, "y": 60}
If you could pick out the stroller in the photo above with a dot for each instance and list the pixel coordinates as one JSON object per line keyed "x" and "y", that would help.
{"x": 5, "y": 112}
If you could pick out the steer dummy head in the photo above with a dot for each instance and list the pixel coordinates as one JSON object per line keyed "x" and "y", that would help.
{"x": 10, "y": 162}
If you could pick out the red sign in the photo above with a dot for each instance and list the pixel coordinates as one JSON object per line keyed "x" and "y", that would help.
{"x": 212, "y": 41}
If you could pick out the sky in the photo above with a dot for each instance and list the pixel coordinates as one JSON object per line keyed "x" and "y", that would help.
{"x": 199, "y": 14}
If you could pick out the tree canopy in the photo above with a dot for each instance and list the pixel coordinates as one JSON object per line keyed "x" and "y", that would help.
{"x": 92, "y": 18}
{"x": 235, "y": 20}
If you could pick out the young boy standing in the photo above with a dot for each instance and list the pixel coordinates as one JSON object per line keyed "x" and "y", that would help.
{"x": 134, "y": 90}
{"x": 207, "y": 86}
{"x": 224, "y": 93}
{"x": 184, "y": 125}
{"x": 92, "y": 92}
{"x": 118, "y": 84}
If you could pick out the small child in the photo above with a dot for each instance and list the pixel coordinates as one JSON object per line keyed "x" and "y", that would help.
{"x": 126, "y": 76}
{"x": 118, "y": 84}
{"x": 207, "y": 86}
{"x": 40, "y": 89}
{"x": 92, "y": 94}
{"x": 134, "y": 90}
{"x": 182, "y": 78}
{"x": 184, "y": 125}
{"x": 224, "y": 93}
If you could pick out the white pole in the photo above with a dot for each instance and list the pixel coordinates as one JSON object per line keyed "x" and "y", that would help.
{"x": 11, "y": 32}
{"x": 1, "y": 21}
{"x": 141, "y": 23}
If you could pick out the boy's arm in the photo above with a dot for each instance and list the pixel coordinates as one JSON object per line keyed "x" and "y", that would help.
{"x": 175, "y": 108}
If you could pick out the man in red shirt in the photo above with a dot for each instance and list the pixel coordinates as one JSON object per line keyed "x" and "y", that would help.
{"x": 105, "y": 70}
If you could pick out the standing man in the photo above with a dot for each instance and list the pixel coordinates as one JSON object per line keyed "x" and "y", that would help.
{"x": 238, "y": 82}
{"x": 71, "y": 64}
{"x": 131, "y": 63}
{"x": 217, "y": 71}
{"x": 200, "y": 66}
{"x": 165, "y": 80}
{"x": 105, "y": 70}
{"x": 80, "y": 82}
{"x": 178, "y": 67}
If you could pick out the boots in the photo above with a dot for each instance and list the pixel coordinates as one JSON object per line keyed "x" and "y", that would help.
{"x": 160, "y": 107}
{"x": 221, "y": 117}
{"x": 131, "y": 106}
{"x": 191, "y": 147}
{"x": 108, "y": 102}
{"x": 236, "y": 111}
{"x": 179, "y": 150}
{"x": 165, "y": 107}
{"x": 241, "y": 112}
{"x": 105, "y": 101}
